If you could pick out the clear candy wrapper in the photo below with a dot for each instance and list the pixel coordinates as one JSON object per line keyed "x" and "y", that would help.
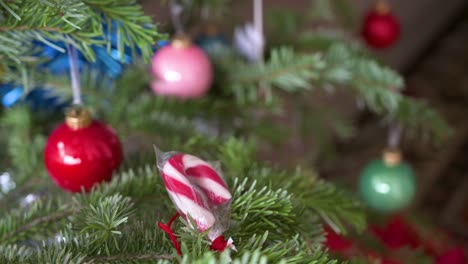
{"x": 198, "y": 189}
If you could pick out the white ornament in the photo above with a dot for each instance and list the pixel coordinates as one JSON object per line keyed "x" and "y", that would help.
{"x": 6, "y": 183}
{"x": 249, "y": 42}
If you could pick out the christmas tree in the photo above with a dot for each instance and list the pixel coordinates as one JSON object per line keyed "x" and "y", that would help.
{"x": 274, "y": 213}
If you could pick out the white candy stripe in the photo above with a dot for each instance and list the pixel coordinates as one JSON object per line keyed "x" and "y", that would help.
{"x": 191, "y": 161}
{"x": 203, "y": 217}
{"x": 209, "y": 184}
{"x": 172, "y": 172}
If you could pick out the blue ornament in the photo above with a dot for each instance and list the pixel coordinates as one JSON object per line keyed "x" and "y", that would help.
{"x": 161, "y": 43}
{"x": 39, "y": 98}
{"x": 10, "y": 94}
{"x": 44, "y": 99}
{"x": 61, "y": 65}
{"x": 213, "y": 45}
{"x": 109, "y": 63}
{"x": 47, "y": 51}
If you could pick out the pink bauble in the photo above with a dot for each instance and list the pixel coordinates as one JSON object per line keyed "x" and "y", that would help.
{"x": 181, "y": 70}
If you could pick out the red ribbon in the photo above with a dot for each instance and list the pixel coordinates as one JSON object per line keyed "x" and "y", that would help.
{"x": 219, "y": 244}
{"x": 168, "y": 230}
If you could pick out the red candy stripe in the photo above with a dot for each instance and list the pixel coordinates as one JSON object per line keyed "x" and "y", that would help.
{"x": 182, "y": 189}
{"x": 204, "y": 171}
{"x": 188, "y": 180}
{"x": 204, "y": 176}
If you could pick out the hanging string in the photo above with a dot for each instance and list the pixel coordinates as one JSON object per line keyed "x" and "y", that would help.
{"x": 176, "y": 10}
{"x": 258, "y": 25}
{"x": 394, "y": 135}
{"x": 258, "y": 16}
{"x": 25, "y": 80}
{"x": 74, "y": 74}
{"x": 205, "y": 12}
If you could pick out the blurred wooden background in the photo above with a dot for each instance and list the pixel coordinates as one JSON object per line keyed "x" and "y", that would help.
{"x": 421, "y": 21}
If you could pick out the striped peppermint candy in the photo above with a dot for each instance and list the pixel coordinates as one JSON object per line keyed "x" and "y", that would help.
{"x": 203, "y": 175}
{"x": 195, "y": 186}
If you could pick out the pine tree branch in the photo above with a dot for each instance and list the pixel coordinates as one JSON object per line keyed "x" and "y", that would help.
{"x": 378, "y": 86}
{"x": 34, "y": 220}
{"x": 79, "y": 23}
{"x": 38, "y": 221}
{"x": 268, "y": 76}
{"x": 24, "y": 28}
{"x": 144, "y": 257}
{"x": 108, "y": 229}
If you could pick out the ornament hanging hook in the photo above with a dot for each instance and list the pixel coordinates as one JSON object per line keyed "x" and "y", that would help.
{"x": 382, "y": 7}
{"x": 205, "y": 12}
{"x": 258, "y": 25}
{"x": 394, "y": 135}
{"x": 176, "y": 10}
{"x": 74, "y": 74}
{"x": 250, "y": 39}
{"x": 258, "y": 16}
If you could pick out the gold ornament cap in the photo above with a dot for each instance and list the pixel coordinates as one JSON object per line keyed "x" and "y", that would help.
{"x": 382, "y": 7}
{"x": 391, "y": 157}
{"x": 78, "y": 117}
{"x": 181, "y": 41}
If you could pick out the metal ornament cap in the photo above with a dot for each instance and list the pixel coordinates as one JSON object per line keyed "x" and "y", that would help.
{"x": 382, "y": 7}
{"x": 78, "y": 117}
{"x": 391, "y": 157}
{"x": 181, "y": 41}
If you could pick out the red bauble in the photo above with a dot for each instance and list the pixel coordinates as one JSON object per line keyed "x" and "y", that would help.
{"x": 397, "y": 233}
{"x": 381, "y": 28}
{"x": 81, "y": 153}
{"x": 336, "y": 243}
{"x": 453, "y": 256}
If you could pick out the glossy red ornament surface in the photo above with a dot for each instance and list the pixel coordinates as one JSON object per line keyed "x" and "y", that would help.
{"x": 380, "y": 30}
{"x": 335, "y": 242}
{"x": 397, "y": 233}
{"x": 81, "y": 158}
{"x": 453, "y": 256}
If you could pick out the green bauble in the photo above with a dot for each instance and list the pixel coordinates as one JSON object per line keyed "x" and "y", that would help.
{"x": 387, "y": 188}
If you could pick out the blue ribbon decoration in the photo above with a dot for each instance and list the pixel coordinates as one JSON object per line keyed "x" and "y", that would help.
{"x": 110, "y": 64}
